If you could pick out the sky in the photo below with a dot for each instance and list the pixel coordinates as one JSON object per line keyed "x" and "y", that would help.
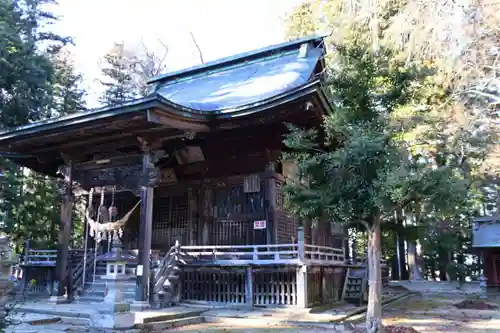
{"x": 221, "y": 28}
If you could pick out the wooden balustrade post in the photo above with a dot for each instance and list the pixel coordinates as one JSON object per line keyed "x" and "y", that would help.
{"x": 301, "y": 271}
{"x": 249, "y": 286}
{"x": 302, "y": 286}
{"x": 300, "y": 244}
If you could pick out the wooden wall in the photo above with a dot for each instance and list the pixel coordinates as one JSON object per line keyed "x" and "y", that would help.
{"x": 492, "y": 266}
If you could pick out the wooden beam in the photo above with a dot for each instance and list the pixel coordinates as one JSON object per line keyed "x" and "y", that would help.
{"x": 64, "y": 133}
{"x": 127, "y": 176}
{"x": 114, "y": 162}
{"x": 160, "y": 117}
{"x": 115, "y": 140}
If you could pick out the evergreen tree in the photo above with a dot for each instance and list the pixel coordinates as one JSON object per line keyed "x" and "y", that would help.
{"x": 68, "y": 92}
{"x": 126, "y": 72}
{"x": 119, "y": 71}
{"x": 25, "y": 72}
{"x": 35, "y": 83}
{"x": 358, "y": 168}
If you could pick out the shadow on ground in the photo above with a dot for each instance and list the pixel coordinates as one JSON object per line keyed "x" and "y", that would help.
{"x": 220, "y": 328}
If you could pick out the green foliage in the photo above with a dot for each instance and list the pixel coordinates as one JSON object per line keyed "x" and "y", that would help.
{"x": 26, "y": 74}
{"x": 68, "y": 92}
{"x": 37, "y": 81}
{"x": 119, "y": 72}
{"x": 358, "y": 166}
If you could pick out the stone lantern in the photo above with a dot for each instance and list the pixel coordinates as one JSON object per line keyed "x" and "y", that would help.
{"x": 116, "y": 272}
{"x": 483, "y": 285}
{"x": 114, "y": 312}
{"x": 7, "y": 259}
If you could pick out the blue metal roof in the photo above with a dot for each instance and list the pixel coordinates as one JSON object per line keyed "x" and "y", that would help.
{"x": 244, "y": 83}
{"x": 233, "y": 86}
{"x": 238, "y": 58}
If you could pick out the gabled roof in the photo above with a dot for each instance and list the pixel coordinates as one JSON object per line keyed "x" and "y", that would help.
{"x": 237, "y": 59}
{"x": 194, "y": 98}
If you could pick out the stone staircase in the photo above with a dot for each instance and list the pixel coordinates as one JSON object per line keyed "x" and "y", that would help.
{"x": 165, "y": 281}
{"x": 94, "y": 290}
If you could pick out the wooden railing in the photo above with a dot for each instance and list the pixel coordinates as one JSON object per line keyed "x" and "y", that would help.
{"x": 78, "y": 278}
{"x": 234, "y": 255}
{"x": 39, "y": 257}
{"x": 320, "y": 254}
{"x": 161, "y": 273}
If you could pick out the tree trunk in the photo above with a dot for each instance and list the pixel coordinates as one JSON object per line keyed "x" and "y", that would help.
{"x": 395, "y": 271}
{"x": 413, "y": 260}
{"x": 374, "y": 308}
{"x": 403, "y": 272}
{"x": 414, "y": 269}
{"x": 443, "y": 264}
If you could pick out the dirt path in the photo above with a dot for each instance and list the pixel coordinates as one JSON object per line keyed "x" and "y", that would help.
{"x": 434, "y": 314}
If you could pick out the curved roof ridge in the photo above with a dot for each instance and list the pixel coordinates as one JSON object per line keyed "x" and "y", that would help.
{"x": 226, "y": 61}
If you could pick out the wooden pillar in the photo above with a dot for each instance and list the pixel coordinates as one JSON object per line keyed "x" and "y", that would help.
{"x": 60, "y": 286}
{"x": 192, "y": 208}
{"x": 271, "y": 204}
{"x": 145, "y": 233}
{"x": 302, "y": 286}
{"x": 301, "y": 271}
{"x": 249, "y": 286}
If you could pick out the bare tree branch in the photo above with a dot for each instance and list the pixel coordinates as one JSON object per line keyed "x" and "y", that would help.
{"x": 197, "y": 46}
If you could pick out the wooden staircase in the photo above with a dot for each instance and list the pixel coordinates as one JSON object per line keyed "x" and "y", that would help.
{"x": 165, "y": 279}
{"x": 356, "y": 285}
{"x": 77, "y": 262}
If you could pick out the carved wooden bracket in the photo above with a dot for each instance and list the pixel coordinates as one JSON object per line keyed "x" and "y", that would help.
{"x": 150, "y": 177}
{"x": 64, "y": 183}
{"x": 124, "y": 176}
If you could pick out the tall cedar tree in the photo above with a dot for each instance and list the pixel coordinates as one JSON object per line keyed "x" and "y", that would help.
{"x": 69, "y": 95}
{"x": 119, "y": 71}
{"x": 357, "y": 168}
{"x": 32, "y": 87}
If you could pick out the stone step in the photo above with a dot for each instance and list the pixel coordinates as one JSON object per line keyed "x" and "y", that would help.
{"x": 101, "y": 289}
{"x": 100, "y": 293}
{"x": 159, "y": 326}
{"x": 102, "y": 283}
{"x": 85, "y": 299}
{"x": 89, "y": 299}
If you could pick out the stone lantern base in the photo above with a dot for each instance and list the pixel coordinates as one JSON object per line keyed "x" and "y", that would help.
{"x": 7, "y": 259}
{"x": 5, "y": 288}
{"x": 113, "y": 301}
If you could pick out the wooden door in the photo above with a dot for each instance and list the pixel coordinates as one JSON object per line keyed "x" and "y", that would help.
{"x": 496, "y": 269}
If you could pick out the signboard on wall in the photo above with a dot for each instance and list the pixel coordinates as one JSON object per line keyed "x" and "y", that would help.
{"x": 257, "y": 225}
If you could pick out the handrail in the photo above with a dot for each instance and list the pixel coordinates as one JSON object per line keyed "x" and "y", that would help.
{"x": 33, "y": 257}
{"x": 167, "y": 262}
{"x": 265, "y": 254}
{"x": 323, "y": 253}
{"x": 83, "y": 266}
